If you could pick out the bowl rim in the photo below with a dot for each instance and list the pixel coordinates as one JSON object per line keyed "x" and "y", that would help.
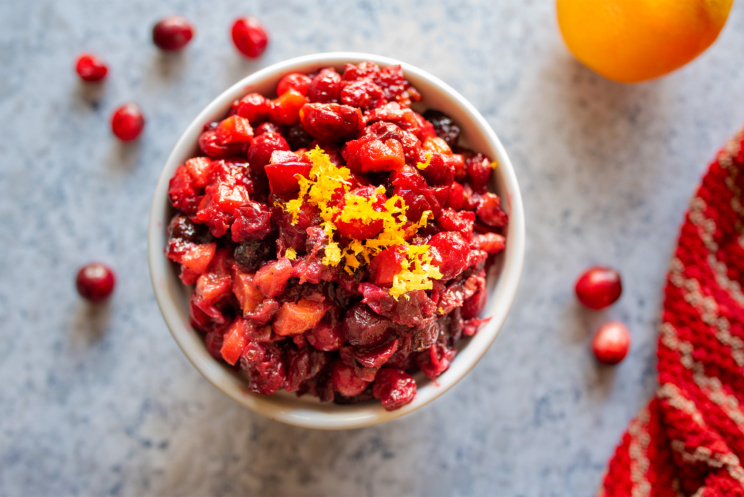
{"x": 317, "y": 415}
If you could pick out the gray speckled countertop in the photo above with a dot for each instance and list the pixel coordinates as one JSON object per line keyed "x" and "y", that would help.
{"x": 102, "y": 401}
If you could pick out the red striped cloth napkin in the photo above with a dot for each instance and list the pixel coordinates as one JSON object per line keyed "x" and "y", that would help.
{"x": 689, "y": 439}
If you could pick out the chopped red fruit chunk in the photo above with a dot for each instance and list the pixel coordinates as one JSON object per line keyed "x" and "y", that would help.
{"x": 293, "y": 81}
{"x": 462, "y": 222}
{"x": 479, "y": 171}
{"x": 365, "y": 328}
{"x": 489, "y": 211}
{"x": 263, "y": 146}
{"x": 326, "y": 336}
{"x": 248, "y": 295}
{"x": 284, "y": 178}
{"x": 233, "y": 342}
{"x": 345, "y": 381}
{"x": 272, "y": 278}
{"x": 285, "y": 109}
{"x": 361, "y": 228}
{"x": 252, "y": 222}
{"x": 254, "y": 107}
{"x": 375, "y": 357}
{"x": 325, "y": 87}
{"x": 492, "y": 243}
{"x": 435, "y": 360}
{"x": 331, "y": 122}
{"x": 450, "y": 253}
{"x": 394, "y": 387}
{"x": 294, "y": 318}
{"x": 385, "y": 265}
{"x": 440, "y": 171}
{"x": 209, "y": 144}
{"x": 234, "y": 129}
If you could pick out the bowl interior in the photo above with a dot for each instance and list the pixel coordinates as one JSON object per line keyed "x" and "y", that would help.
{"x": 172, "y": 295}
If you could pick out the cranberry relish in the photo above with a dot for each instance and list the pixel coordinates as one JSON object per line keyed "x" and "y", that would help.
{"x": 338, "y": 240}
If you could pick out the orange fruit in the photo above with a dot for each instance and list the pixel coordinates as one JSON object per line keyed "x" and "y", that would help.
{"x": 636, "y": 40}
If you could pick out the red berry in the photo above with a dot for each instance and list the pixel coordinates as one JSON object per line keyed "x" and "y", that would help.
{"x": 95, "y": 282}
{"x": 249, "y": 36}
{"x": 172, "y": 33}
{"x": 90, "y": 68}
{"x": 599, "y": 287}
{"x": 127, "y": 122}
{"x": 611, "y": 342}
{"x": 394, "y": 387}
{"x": 293, "y": 81}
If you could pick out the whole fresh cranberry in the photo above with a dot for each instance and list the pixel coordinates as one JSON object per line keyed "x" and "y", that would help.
{"x": 127, "y": 122}
{"x": 599, "y": 287}
{"x": 249, "y": 36}
{"x": 172, "y": 33}
{"x": 90, "y": 68}
{"x": 611, "y": 342}
{"x": 95, "y": 282}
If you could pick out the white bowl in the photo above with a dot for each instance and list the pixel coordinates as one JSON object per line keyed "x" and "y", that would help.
{"x": 172, "y": 295}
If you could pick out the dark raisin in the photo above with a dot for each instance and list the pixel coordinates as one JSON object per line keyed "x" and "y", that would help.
{"x": 252, "y": 254}
{"x": 298, "y": 138}
{"x": 445, "y": 127}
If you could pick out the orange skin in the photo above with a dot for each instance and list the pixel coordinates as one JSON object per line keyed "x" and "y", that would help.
{"x": 636, "y": 40}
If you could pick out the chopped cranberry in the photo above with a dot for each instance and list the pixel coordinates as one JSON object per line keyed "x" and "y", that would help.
{"x": 95, "y": 282}
{"x": 285, "y": 109}
{"x": 254, "y": 107}
{"x": 449, "y": 253}
{"x": 490, "y": 212}
{"x": 284, "y": 176}
{"x": 267, "y": 127}
{"x": 326, "y": 336}
{"x": 249, "y": 36}
{"x": 272, "y": 278}
{"x": 440, "y": 171}
{"x": 325, "y": 87}
{"x": 210, "y": 145}
{"x": 213, "y": 341}
{"x": 364, "y": 94}
{"x": 294, "y": 81}
{"x": 90, "y": 68}
{"x": 435, "y": 360}
{"x": 444, "y": 126}
{"x": 375, "y": 357}
{"x": 455, "y": 197}
{"x": 361, "y": 228}
{"x": 265, "y": 368}
{"x": 599, "y": 287}
{"x": 384, "y": 266}
{"x": 331, "y": 122}
{"x": 394, "y": 387}
{"x": 492, "y": 243}
{"x": 252, "y": 222}
{"x": 462, "y": 222}
{"x": 479, "y": 169}
{"x": 345, "y": 381}
{"x": 259, "y": 153}
{"x": 364, "y": 328}
{"x": 473, "y": 306}
{"x": 611, "y": 342}
{"x": 172, "y": 33}
{"x": 127, "y": 122}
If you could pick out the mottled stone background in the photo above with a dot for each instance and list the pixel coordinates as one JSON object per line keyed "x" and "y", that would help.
{"x": 102, "y": 401}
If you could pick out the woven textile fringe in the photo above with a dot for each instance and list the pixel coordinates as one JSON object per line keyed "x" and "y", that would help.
{"x": 689, "y": 440}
